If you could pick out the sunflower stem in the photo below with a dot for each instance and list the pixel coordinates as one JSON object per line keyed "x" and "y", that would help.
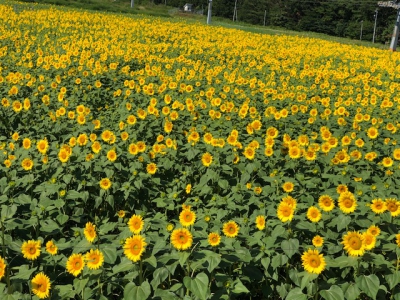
{"x": 140, "y": 272}
{"x": 316, "y": 289}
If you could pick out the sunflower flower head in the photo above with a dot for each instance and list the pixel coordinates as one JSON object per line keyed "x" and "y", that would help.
{"x": 230, "y": 229}
{"x": 353, "y": 243}
{"x": 75, "y": 264}
{"x": 31, "y": 249}
{"x": 136, "y": 224}
{"x": 313, "y": 261}
{"x": 94, "y": 259}
{"x": 181, "y": 239}
{"x": 41, "y": 285}
{"x": 90, "y": 232}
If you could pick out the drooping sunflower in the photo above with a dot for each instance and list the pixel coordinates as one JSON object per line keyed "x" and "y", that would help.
{"x": 206, "y": 159}
{"x": 393, "y": 206}
{"x": 187, "y": 217}
{"x": 260, "y": 222}
{"x": 181, "y": 239}
{"x": 90, "y": 232}
{"x": 318, "y": 241}
{"x": 288, "y": 187}
{"x": 353, "y": 243}
{"x": 94, "y": 259}
{"x": 41, "y": 285}
{"x": 105, "y": 183}
{"x": 285, "y": 212}
{"x": 369, "y": 240}
{"x": 2, "y": 267}
{"x": 326, "y": 203}
{"x": 51, "y": 248}
{"x": 313, "y": 261}
{"x": 75, "y": 264}
{"x": 214, "y": 239}
{"x": 347, "y": 202}
{"x": 31, "y": 249}
{"x": 136, "y": 224}
{"x": 378, "y": 206}
{"x": 230, "y": 229}
{"x": 313, "y": 214}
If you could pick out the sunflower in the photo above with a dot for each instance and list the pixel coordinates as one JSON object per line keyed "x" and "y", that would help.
{"x": 96, "y": 147}
{"x": 26, "y": 143}
{"x": 42, "y": 146}
{"x": 285, "y": 212}
{"x": 369, "y": 240}
{"x": 41, "y": 285}
{"x": 31, "y": 249}
{"x": 393, "y": 206}
{"x": 2, "y": 267}
{"x": 387, "y": 162}
{"x": 27, "y": 164}
{"x": 51, "y": 248}
{"x": 347, "y": 202}
{"x": 260, "y": 222}
{"x": 63, "y": 155}
{"x": 112, "y": 155}
{"x": 318, "y": 241}
{"x": 326, "y": 203}
{"x": 313, "y": 261}
{"x": 374, "y": 230}
{"x": 378, "y": 206}
{"x": 372, "y": 133}
{"x": 105, "y": 183}
{"x": 75, "y": 264}
{"x": 353, "y": 243}
{"x": 82, "y": 139}
{"x": 341, "y": 188}
{"x": 181, "y": 239}
{"x": 206, "y": 159}
{"x": 290, "y": 201}
{"x": 94, "y": 259}
{"x": 121, "y": 214}
{"x": 188, "y": 188}
{"x": 90, "y": 232}
{"x": 187, "y": 217}
{"x": 313, "y": 214}
{"x": 294, "y": 152}
{"x": 398, "y": 239}
{"x": 230, "y": 229}
{"x": 214, "y": 239}
{"x": 136, "y": 224}
{"x": 151, "y": 168}
{"x": 249, "y": 153}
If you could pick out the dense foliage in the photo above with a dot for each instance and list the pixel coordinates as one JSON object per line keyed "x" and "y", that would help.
{"x": 141, "y": 158}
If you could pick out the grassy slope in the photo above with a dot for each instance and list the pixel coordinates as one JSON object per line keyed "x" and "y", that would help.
{"x": 145, "y": 7}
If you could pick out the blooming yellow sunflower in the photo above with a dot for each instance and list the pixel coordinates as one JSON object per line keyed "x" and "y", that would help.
{"x": 136, "y": 224}
{"x": 2, "y": 267}
{"x": 290, "y": 201}
{"x": 181, "y": 239}
{"x": 313, "y": 261}
{"x": 75, "y": 264}
{"x": 187, "y": 217}
{"x": 353, "y": 243}
{"x": 105, "y": 183}
{"x": 260, "y": 222}
{"x": 230, "y": 229}
{"x": 369, "y": 240}
{"x": 347, "y": 202}
{"x": 112, "y": 155}
{"x": 134, "y": 247}
{"x": 318, "y": 241}
{"x": 374, "y": 230}
{"x": 206, "y": 159}
{"x": 285, "y": 212}
{"x": 31, "y": 249}
{"x": 26, "y": 143}
{"x": 41, "y": 285}
{"x": 42, "y": 146}
{"x": 326, "y": 203}
{"x": 294, "y": 152}
{"x": 313, "y": 214}
{"x": 51, "y": 248}
{"x": 27, "y": 164}
{"x": 94, "y": 259}
{"x": 341, "y": 188}
{"x": 288, "y": 187}
{"x": 378, "y": 206}
{"x": 151, "y": 168}
{"x": 249, "y": 153}
{"x": 214, "y": 239}
{"x": 393, "y": 206}
{"x": 90, "y": 232}
{"x": 387, "y": 162}
{"x": 121, "y": 214}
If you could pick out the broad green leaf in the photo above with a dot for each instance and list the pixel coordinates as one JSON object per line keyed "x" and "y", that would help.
{"x": 159, "y": 276}
{"x": 23, "y": 273}
{"x": 307, "y": 278}
{"x": 198, "y": 285}
{"x": 110, "y": 254}
{"x": 290, "y": 247}
{"x": 183, "y": 256}
{"x": 239, "y": 287}
{"x": 393, "y": 279}
{"x": 368, "y": 285}
{"x": 351, "y": 292}
{"x": 296, "y": 294}
{"x": 334, "y": 293}
{"x": 213, "y": 261}
{"x": 279, "y": 260}
{"x": 7, "y": 211}
{"x": 79, "y": 284}
{"x": 131, "y": 291}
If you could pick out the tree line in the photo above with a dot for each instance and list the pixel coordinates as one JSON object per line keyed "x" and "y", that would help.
{"x": 342, "y": 18}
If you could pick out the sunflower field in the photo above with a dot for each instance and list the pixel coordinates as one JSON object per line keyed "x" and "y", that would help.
{"x": 144, "y": 158}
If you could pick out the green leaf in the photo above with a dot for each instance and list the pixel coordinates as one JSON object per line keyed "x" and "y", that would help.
{"x": 239, "y": 287}
{"x": 198, "y": 285}
{"x": 368, "y": 285}
{"x": 79, "y": 284}
{"x": 132, "y": 291}
{"x": 265, "y": 261}
{"x": 334, "y": 293}
{"x": 393, "y": 279}
{"x": 213, "y": 261}
{"x": 159, "y": 276}
{"x": 351, "y": 292}
{"x": 346, "y": 261}
{"x": 279, "y": 260}
{"x": 110, "y": 255}
{"x": 342, "y": 222}
{"x": 296, "y": 294}
{"x": 151, "y": 260}
{"x": 165, "y": 295}
{"x": 7, "y": 211}
{"x": 183, "y": 256}
{"x": 124, "y": 266}
{"x": 307, "y": 278}
{"x": 290, "y": 247}
{"x": 23, "y": 273}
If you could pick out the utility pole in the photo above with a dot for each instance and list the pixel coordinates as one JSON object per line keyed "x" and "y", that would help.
{"x": 265, "y": 16}
{"x": 235, "y": 12}
{"x": 395, "y": 35}
{"x": 132, "y": 3}
{"x": 209, "y": 12}
{"x": 361, "y": 29}
{"x": 376, "y": 17}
